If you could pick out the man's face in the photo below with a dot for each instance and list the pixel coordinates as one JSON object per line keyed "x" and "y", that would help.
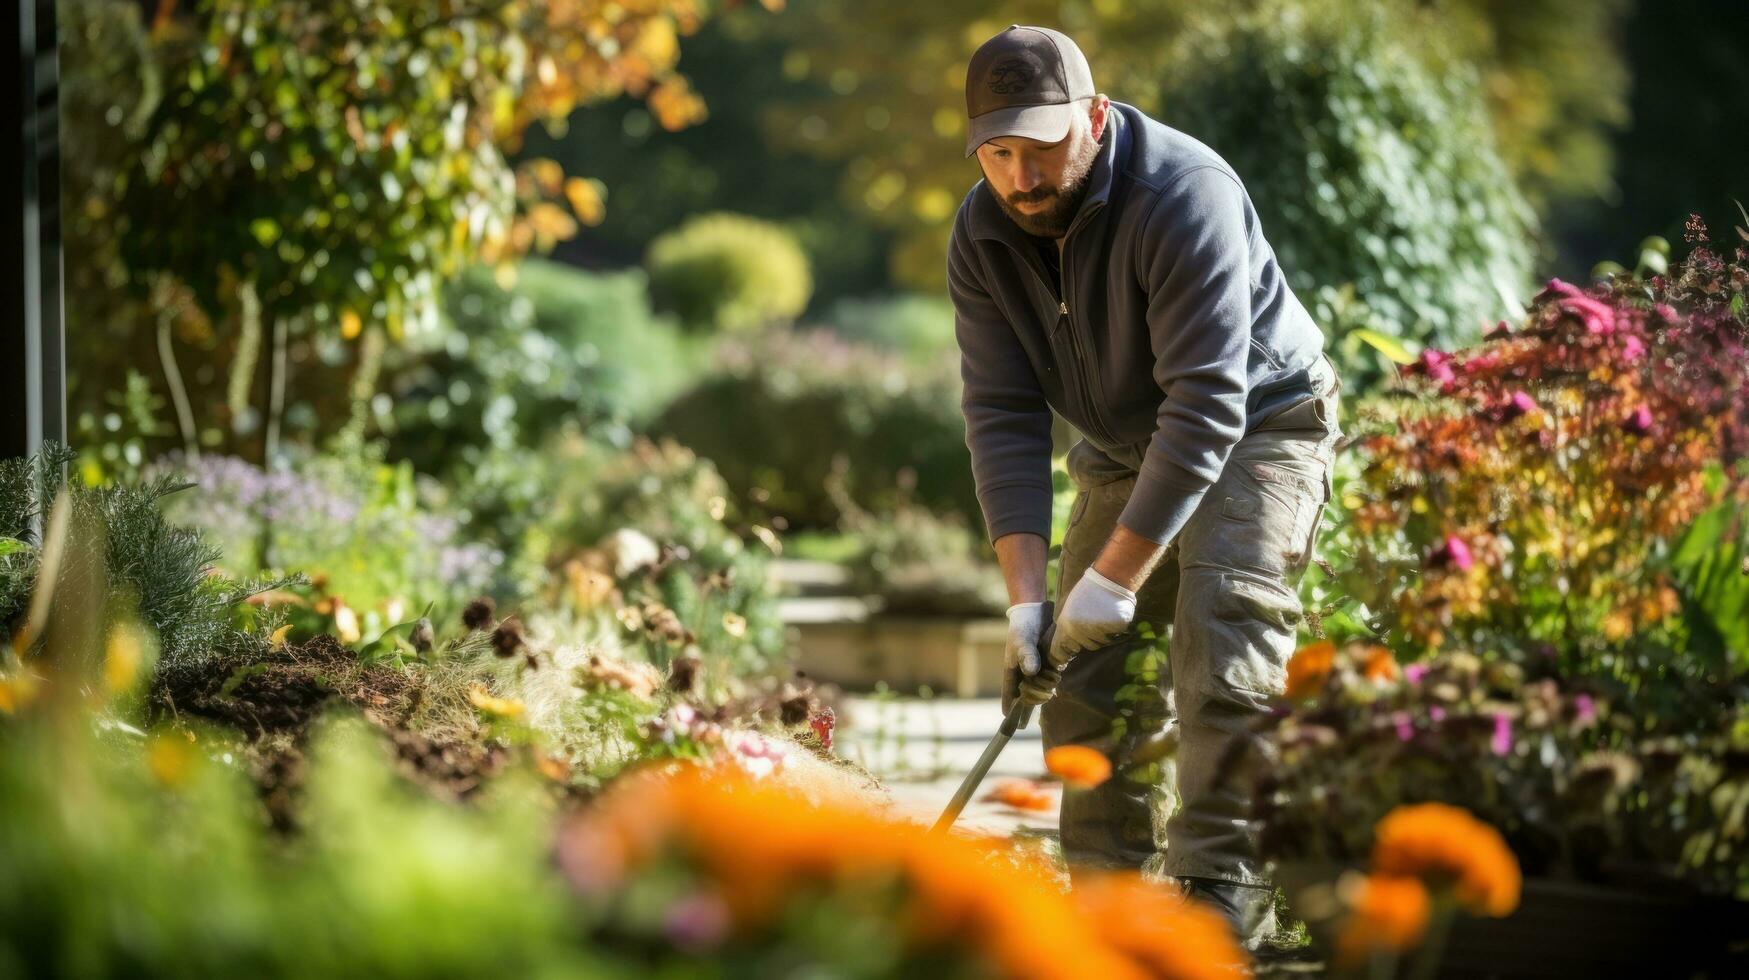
{"x": 1040, "y": 185}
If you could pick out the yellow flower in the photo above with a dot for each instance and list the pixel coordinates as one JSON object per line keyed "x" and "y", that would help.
{"x": 1078, "y": 765}
{"x": 489, "y": 703}
{"x": 121, "y": 659}
{"x": 735, "y": 624}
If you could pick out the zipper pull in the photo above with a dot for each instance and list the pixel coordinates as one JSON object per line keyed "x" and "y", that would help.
{"x": 1063, "y": 307}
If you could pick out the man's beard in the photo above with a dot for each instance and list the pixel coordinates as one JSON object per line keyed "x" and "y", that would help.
{"x": 1064, "y": 199}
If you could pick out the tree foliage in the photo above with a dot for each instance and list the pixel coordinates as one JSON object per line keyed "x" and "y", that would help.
{"x": 347, "y": 157}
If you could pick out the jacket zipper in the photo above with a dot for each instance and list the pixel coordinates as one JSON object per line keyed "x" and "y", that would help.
{"x": 1094, "y": 418}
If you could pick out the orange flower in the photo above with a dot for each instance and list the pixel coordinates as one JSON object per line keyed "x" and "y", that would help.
{"x": 1021, "y": 794}
{"x": 1448, "y": 848}
{"x": 1163, "y": 933}
{"x": 1380, "y": 665}
{"x": 1078, "y": 765}
{"x": 1310, "y": 669}
{"x": 760, "y": 848}
{"x": 1385, "y": 913}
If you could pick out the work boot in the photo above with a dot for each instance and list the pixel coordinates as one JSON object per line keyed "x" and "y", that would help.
{"x": 1248, "y": 909}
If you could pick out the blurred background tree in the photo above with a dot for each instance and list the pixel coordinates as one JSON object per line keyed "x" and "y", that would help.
{"x": 1369, "y": 156}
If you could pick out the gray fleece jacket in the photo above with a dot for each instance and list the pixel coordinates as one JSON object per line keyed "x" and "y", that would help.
{"x": 1171, "y": 334}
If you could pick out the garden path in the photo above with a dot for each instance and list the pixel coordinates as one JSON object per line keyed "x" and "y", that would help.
{"x": 921, "y": 749}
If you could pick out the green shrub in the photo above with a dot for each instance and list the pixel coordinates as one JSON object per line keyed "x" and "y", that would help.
{"x": 916, "y": 326}
{"x": 781, "y": 411}
{"x": 558, "y": 344}
{"x": 1371, "y": 162}
{"x": 156, "y": 570}
{"x": 731, "y": 272}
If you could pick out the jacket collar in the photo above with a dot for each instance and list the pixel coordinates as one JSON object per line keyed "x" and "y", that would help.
{"x": 988, "y": 220}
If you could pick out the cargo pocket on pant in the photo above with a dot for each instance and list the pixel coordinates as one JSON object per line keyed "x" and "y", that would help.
{"x": 1257, "y": 621}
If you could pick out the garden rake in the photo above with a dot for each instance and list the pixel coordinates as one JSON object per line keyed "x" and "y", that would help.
{"x": 1019, "y": 715}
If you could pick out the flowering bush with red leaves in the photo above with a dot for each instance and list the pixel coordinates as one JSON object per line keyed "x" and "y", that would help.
{"x": 1523, "y": 503}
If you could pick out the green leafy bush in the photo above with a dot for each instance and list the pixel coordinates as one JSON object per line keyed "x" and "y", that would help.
{"x": 917, "y": 326}
{"x": 730, "y": 272}
{"x": 1371, "y": 161}
{"x": 781, "y": 410}
{"x": 560, "y": 344}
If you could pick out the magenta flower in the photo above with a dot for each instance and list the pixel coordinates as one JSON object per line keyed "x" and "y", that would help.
{"x": 1584, "y": 709}
{"x": 1598, "y": 316}
{"x": 1501, "y": 740}
{"x": 1632, "y": 347}
{"x": 1638, "y": 421}
{"x": 1405, "y": 727}
{"x": 1453, "y": 551}
{"x": 1415, "y": 673}
{"x": 1436, "y": 365}
{"x": 1521, "y": 403}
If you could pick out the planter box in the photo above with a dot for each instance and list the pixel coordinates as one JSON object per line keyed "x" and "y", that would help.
{"x": 952, "y": 655}
{"x": 1575, "y": 929}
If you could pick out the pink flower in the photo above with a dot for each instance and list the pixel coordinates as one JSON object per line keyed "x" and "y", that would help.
{"x": 1638, "y": 421}
{"x": 1436, "y": 713}
{"x": 1584, "y": 709}
{"x": 1665, "y": 312}
{"x": 1501, "y": 740}
{"x": 1453, "y": 551}
{"x": 1521, "y": 403}
{"x": 1501, "y": 329}
{"x": 1436, "y": 365}
{"x": 822, "y": 723}
{"x": 1632, "y": 347}
{"x": 1598, "y": 317}
{"x": 1405, "y": 727}
{"x": 1415, "y": 673}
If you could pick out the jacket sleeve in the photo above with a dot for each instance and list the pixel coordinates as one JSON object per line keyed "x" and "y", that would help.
{"x": 1195, "y": 265}
{"x": 1008, "y": 423}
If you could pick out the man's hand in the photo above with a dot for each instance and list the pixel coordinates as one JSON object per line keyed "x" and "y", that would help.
{"x": 1026, "y": 624}
{"x": 1095, "y": 613}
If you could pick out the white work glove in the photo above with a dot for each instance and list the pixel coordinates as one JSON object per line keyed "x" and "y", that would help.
{"x": 1095, "y": 613}
{"x": 1026, "y": 626}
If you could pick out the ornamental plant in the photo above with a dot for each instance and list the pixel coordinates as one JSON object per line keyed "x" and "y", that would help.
{"x": 1567, "y": 776}
{"x": 1525, "y": 500}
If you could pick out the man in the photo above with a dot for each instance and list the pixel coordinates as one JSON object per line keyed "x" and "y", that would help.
{"x": 1112, "y": 268}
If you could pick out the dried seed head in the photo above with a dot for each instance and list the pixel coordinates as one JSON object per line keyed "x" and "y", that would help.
{"x": 478, "y": 615}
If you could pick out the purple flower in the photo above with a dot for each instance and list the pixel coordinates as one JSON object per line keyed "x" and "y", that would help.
{"x": 1415, "y": 673}
{"x": 1501, "y": 740}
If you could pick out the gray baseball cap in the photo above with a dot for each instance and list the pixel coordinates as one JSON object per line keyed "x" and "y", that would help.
{"x": 1025, "y": 81}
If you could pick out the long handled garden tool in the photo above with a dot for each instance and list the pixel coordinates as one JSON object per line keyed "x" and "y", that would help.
{"x": 1019, "y": 715}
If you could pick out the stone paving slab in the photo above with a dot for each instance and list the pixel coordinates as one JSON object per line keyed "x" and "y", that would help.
{"x": 922, "y": 748}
